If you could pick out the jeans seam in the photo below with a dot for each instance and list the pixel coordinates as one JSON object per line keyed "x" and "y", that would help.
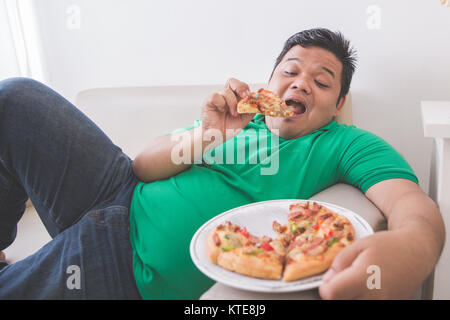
{"x": 50, "y": 212}
{"x": 31, "y": 192}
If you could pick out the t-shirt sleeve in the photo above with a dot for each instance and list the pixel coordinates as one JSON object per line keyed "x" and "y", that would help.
{"x": 197, "y": 123}
{"x": 368, "y": 159}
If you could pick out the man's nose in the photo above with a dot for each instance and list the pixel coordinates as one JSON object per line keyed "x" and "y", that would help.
{"x": 301, "y": 84}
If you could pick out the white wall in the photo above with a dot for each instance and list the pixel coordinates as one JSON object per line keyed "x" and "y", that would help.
{"x": 143, "y": 42}
{"x": 8, "y": 62}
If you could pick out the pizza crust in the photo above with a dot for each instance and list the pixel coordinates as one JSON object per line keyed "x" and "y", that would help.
{"x": 269, "y": 267}
{"x": 309, "y": 266}
{"x": 212, "y": 250}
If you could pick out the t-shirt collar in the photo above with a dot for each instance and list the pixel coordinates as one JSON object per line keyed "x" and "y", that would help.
{"x": 259, "y": 120}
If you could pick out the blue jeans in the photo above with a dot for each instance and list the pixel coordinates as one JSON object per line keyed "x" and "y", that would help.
{"x": 81, "y": 185}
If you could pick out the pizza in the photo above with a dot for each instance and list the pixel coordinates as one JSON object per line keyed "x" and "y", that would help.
{"x": 235, "y": 249}
{"x": 314, "y": 236}
{"x": 265, "y": 102}
{"x": 306, "y": 245}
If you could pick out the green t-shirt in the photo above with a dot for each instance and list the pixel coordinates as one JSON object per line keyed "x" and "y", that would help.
{"x": 255, "y": 165}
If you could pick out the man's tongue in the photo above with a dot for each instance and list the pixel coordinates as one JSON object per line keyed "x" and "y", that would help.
{"x": 299, "y": 108}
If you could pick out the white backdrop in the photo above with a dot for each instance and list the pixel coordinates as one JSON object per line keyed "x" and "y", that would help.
{"x": 403, "y": 48}
{"x": 8, "y": 62}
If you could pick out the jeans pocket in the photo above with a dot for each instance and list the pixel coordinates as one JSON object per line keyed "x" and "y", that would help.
{"x": 113, "y": 216}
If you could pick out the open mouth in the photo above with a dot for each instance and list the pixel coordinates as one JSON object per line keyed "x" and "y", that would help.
{"x": 298, "y": 106}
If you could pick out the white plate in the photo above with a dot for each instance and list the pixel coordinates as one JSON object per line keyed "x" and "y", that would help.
{"x": 257, "y": 218}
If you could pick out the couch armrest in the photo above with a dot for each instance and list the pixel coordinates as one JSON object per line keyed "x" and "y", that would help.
{"x": 353, "y": 199}
{"x": 340, "y": 194}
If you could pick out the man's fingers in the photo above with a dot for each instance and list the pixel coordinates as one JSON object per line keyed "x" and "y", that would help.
{"x": 227, "y": 99}
{"x": 346, "y": 284}
{"x": 217, "y": 101}
{"x": 240, "y": 88}
{"x": 347, "y": 275}
{"x": 336, "y": 280}
{"x": 231, "y": 101}
{"x": 344, "y": 259}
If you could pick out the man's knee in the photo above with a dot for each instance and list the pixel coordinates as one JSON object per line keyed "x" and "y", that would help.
{"x": 14, "y": 90}
{"x": 15, "y": 87}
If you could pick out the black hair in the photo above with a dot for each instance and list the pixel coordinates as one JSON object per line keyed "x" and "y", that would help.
{"x": 328, "y": 40}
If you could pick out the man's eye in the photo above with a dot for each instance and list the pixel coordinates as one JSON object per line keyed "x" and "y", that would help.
{"x": 290, "y": 73}
{"x": 320, "y": 84}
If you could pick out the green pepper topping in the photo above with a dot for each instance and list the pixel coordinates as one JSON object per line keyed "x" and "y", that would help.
{"x": 333, "y": 241}
{"x": 254, "y": 251}
{"x": 294, "y": 227}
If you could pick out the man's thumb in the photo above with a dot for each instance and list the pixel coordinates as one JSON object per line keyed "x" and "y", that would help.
{"x": 343, "y": 260}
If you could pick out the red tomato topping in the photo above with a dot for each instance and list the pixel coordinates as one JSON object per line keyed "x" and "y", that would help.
{"x": 244, "y": 232}
{"x": 266, "y": 246}
{"x": 329, "y": 233}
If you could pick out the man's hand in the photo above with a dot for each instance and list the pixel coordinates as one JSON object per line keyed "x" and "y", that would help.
{"x": 382, "y": 266}
{"x": 405, "y": 254}
{"x": 219, "y": 113}
{"x": 220, "y": 110}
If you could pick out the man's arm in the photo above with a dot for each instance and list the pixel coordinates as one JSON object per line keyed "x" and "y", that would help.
{"x": 407, "y": 207}
{"x": 219, "y": 113}
{"x": 405, "y": 254}
{"x": 156, "y": 161}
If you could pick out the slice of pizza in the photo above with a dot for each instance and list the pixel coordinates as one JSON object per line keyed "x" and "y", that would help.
{"x": 301, "y": 217}
{"x": 265, "y": 102}
{"x": 235, "y": 249}
{"x": 319, "y": 234}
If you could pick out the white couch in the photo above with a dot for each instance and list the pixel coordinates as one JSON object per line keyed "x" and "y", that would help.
{"x": 131, "y": 116}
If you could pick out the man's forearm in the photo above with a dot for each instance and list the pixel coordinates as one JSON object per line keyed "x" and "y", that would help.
{"x": 414, "y": 222}
{"x": 418, "y": 216}
{"x": 167, "y": 156}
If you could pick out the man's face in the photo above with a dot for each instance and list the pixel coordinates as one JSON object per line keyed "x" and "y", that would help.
{"x": 310, "y": 77}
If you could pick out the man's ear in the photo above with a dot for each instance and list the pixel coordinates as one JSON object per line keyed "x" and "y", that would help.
{"x": 340, "y": 105}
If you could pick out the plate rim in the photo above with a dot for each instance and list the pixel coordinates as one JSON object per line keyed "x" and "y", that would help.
{"x": 316, "y": 280}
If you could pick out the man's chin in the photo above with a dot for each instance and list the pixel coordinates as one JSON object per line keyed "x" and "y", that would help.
{"x": 297, "y": 119}
{"x": 287, "y": 128}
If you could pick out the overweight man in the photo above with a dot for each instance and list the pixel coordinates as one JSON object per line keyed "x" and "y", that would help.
{"x": 126, "y": 225}
{"x": 315, "y": 68}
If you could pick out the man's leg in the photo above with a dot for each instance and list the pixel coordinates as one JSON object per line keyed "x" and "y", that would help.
{"x": 81, "y": 185}
{"x": 56, "y": 156}
{"x": 90, "y": 260}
